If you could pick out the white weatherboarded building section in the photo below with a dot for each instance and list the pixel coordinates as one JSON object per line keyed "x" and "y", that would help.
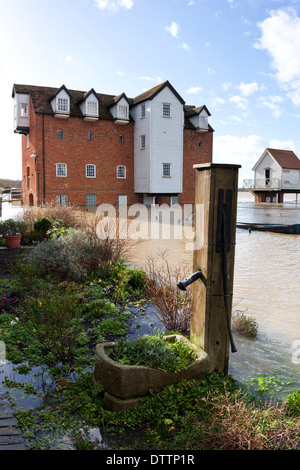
{"x": 158, "y": 146}
{"x": 277, "y": 168}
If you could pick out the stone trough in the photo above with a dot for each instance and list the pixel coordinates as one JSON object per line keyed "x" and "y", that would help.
{"x": 126, "y": 385}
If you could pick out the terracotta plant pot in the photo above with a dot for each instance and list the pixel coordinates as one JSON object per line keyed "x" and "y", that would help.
{"x": 13, "y": 241}
{"x": 124, "y": 385}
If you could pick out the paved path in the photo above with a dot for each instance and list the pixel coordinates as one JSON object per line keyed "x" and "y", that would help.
{"x": 11, "y": 437}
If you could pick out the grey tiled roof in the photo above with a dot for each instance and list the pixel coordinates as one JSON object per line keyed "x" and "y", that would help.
{"x": 41, "y": 97}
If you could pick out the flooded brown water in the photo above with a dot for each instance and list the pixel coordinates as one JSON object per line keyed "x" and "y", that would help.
{"x": 266, "y": 287}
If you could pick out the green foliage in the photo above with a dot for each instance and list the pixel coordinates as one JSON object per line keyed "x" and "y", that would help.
{"x": 54, "y": 319}
{"x": 293, "y": 404}
{"x": 43, "y": 224}
{"x": 70, "y": 256}
{"x": 12, "y": 227}
{"x": 153, "y": 351}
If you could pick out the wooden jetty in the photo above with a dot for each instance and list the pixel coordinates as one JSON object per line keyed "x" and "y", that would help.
{"x": 293, "y": 229}
{"x": 11, "y": 437}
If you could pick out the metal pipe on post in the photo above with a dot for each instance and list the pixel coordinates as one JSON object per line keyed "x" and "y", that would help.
{"x": 216, "y": 191}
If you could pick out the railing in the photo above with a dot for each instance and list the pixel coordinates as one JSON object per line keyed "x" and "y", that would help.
{"x": 270, "y": 184}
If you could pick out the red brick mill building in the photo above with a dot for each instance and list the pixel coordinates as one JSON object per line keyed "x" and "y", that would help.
{"x": 88, "y": 148}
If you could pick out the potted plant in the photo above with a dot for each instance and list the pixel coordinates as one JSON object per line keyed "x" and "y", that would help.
{"x": 13, "y": 230}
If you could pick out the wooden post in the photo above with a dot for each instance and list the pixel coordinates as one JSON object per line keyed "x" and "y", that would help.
{"x": 209, "y": 328}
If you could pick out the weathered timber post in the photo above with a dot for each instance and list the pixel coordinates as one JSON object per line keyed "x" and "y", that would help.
{"x": 216, "y": 195}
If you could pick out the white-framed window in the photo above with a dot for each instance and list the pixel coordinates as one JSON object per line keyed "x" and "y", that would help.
{"x": 90, "y": 170}
{"x": 121, "y": 171}
{"x": 121, "y": 199}
{"x": 24, "y": 110}
{"x": 91, "y": 108}
{"x": 122, "y": 111}
{"x": 63, "y": 105}
{"x": 143, "y": 110}
{"x": 91, "y": 200}
{"x": 142, "y": 142}
{"x": 166, "y": 170}
{"x": 62, "y": 199}
{"x": 166, "y": 110}
{"x": 61, "y": 169}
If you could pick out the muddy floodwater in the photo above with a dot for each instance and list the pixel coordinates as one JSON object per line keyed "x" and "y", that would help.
{"x": 266, "y": 287}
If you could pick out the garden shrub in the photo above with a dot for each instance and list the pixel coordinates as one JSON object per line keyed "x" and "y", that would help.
{"x": 71, "y": 256}
{"x": 42, "y": 225}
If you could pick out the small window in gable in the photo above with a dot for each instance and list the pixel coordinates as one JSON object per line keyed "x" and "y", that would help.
{"x": 166, "y": 110}
{"x": 143, "y": 110}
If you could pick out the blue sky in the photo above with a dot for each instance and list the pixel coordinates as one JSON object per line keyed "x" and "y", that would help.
{"x": 241, "y": 58}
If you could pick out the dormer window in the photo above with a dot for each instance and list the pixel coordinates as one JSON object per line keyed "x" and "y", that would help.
{"x": 120, "y": 109}
{"x": 91, "y": 108}
{"x": 122, "y": 112}
{"x": 62, "y": 105}
{"x": 203, "y": 121}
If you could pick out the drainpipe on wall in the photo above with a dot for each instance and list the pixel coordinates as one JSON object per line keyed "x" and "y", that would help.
{"x": 44, "y": 179}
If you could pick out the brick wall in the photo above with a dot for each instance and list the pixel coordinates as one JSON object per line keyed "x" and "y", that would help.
{"x": 193, "y": 154}
{"x": 104, "y": 150}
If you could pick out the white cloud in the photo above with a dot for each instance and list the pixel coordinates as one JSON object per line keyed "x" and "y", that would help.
{"x": 241, "y": 103}
{"x": 282, "y": 144}
{"x": 173, "y": 29}
{"x": 248, "y": 89}
{"x": 69, "y": 59}
{"x": 243, "y": 151}
{"x": 280, "y": 37}
{"x": 273, "y": 103}
{"x": 226, "y": 85}
{"x": 150, "y": 79}
{"x": 216, "y": 101}
{"x": 185, "y": 46}
{"x": 194, "y": 89}
{"x": 113, "y": 5}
